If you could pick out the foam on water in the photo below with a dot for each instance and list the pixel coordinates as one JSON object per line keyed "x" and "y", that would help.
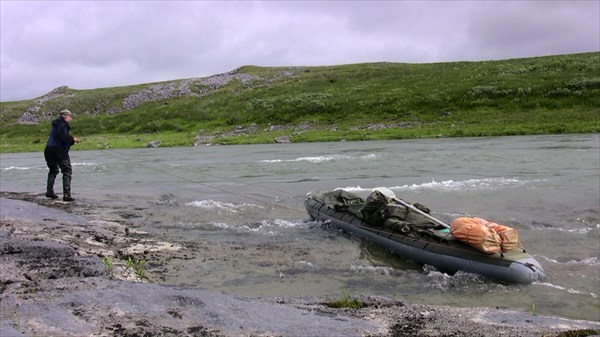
{"x": 297, "y": 267}
{"x": 580, "y": 230}
{"x": 318, "y": 159}
{"x": 17, "y": 168}
{"x": 380, "y": 270}
{"x": 442, "y": 281}
{"x": 451, "y": 185}
{"x": 591, "y": 261}
{"x": 355, "y": 189}
{"x": 585, "y": 230}
{"x": 85, "y": 164}
{"x": 27, "y": 168}
{"x": 565, "y": 289}
{"x": 222, "y": 206}
{"x": 471, "y": 184}
{"x": 221, "y": 225}
{"x": 266, "y": 227}
{"x": 305, "y": 265}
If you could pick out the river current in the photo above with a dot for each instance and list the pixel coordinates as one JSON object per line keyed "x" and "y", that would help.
{"x": 547, "y": 187}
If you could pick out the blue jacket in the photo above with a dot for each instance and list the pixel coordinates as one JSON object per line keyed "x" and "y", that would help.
{"x": 59, "y": 135}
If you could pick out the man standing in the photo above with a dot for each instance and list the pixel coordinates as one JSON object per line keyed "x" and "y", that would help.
{"x": 57, "y": 155}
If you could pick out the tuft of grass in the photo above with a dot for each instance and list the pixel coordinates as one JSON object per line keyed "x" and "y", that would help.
{"x": 108, "y": 266}
{"x": 345, "y": 301}
{"x": 137, "y": 265}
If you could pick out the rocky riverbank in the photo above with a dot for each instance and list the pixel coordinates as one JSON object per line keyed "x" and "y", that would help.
{"x": 68, "y": 269}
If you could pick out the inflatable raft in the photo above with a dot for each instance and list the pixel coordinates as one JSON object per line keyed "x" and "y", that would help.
{"x": 424, "y": 245}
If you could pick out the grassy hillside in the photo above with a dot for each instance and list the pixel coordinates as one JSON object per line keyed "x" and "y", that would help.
{"x": 544, "y": 95}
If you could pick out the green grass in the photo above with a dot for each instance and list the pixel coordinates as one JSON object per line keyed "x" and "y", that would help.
{"x": 137, "y": 266}
{"x": 108, "y": 266}
{"x": 544, "y": 95}
{"x": 345, "y": 301}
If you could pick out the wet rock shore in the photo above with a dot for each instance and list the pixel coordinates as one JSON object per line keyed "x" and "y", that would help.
{"x": 61, "y": 276}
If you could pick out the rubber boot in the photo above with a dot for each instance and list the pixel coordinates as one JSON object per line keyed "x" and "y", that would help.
{"x": 67, "y": 187}
{"x": 50, "y": 186}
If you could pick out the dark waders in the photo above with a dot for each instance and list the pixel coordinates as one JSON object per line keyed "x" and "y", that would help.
{"x": 57, "y": 158}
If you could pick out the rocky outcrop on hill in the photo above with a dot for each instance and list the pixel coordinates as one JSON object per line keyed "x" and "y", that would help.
{"x": 221, "y": 80}
{"x": 32, "y": 115}
{"x": 161, "y": 91}
{"x": 151, "y": 93}
{"x": 155, "y": 93}
{"x": 29, "y": 118}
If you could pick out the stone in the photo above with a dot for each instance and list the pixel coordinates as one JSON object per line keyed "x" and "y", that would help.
{"x": 282, "y": 140}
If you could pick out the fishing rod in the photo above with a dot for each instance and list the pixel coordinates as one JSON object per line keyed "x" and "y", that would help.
{"x": 126, "y": 159}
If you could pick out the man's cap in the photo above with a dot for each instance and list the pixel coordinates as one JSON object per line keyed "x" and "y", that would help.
{"x": 65, "y": 113}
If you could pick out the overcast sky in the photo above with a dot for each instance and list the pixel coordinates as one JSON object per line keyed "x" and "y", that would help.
{"x": 87, "y": 45}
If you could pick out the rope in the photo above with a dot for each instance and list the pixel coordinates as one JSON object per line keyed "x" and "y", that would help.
{"x": 126, "y": 159}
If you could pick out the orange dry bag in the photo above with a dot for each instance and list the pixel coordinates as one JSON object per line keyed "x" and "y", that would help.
{"x": 472, "y": 232}
{"x": 509, "y": 238}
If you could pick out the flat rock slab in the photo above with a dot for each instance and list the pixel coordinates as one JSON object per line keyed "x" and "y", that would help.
{"x": 30, "y": 212}
{"x": 98, "y": 306}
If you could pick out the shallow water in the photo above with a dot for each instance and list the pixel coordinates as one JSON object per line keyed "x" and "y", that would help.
{"x": 251, "y": 197}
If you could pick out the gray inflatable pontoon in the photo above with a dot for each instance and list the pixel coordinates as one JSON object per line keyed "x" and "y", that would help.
{"x": 429, "y": 247}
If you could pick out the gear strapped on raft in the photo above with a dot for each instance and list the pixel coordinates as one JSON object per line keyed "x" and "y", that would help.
{"x": 472, "y": 245}
{"x": 383, "y": 209}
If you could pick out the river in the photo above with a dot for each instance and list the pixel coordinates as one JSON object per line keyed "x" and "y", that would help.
{"x": 547, "y": 187}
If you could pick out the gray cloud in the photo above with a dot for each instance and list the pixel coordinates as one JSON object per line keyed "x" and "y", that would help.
{"x": 88, "y": 45}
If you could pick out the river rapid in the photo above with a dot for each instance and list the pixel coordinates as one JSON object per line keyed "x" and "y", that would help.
{"x": 251, "y": 197}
